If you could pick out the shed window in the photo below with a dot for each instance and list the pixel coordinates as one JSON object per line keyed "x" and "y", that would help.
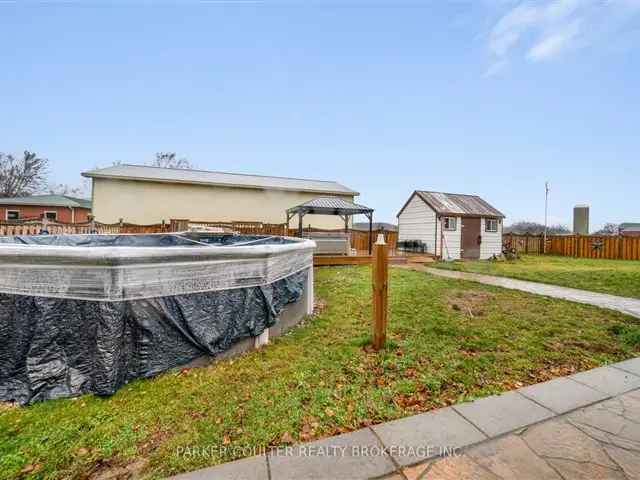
{"x": 51, "y": 215}
{"x": 491, "y": 225}
{"x": 13, "y": 214}
{"x": 450, "y": 223}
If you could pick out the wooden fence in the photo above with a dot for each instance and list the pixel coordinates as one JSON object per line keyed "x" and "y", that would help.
{"x": 523, "y": 244}
{"x": 359, "y": 238}
{"x": 591, "y": 246}
{"x": 615, "y": 247}
{"x": 59, "y": 228}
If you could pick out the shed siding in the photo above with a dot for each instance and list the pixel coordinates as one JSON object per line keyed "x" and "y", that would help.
{"x": 418, "y": 222}
{"x": 452, "y": 239}
{"x": 491, "y": 241}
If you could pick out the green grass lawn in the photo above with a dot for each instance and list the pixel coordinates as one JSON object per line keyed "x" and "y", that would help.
{"x": 617, "y": 277}
{"x": 448, "y": 341}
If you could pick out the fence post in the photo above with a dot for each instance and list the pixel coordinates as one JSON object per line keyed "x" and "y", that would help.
{"x": 380, "y": 284}
{"x": 619, "y": 247}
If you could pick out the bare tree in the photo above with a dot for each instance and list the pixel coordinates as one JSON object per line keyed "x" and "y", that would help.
{"x": 608, "y": 229}
{"x": 23, "y": 176}
{"x": 170, "y": 160}
{"x": 535, "y": 228}
{"x": 65, "y": 189}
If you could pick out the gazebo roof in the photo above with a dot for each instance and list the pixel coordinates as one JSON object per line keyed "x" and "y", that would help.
{"x": 330, "y": 206}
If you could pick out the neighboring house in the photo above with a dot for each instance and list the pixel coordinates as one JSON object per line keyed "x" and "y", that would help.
{"x": 144, "y": 195}
{"x": 629, "y": 229}
{"x": 452, "y": 225}
{"x": 61, "y": 208}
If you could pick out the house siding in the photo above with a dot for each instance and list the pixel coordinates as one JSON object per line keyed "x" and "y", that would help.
{"x": 144, "y": 202}
{"x": 491, "y": 241}
{"x": 418, "y": 222}
{"x": 64, "y": 214}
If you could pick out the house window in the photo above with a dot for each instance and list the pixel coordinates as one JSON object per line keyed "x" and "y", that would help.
{"x": 13, "y": 214}
{"x": 51, "y": 215}
{"x": 450, "y": 223}
{"x": 491, "y": 225}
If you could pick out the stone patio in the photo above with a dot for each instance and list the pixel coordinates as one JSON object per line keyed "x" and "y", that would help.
{"x": 586, "y": 425}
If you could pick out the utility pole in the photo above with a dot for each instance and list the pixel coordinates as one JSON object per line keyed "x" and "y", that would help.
{"x": 546, "y": 209}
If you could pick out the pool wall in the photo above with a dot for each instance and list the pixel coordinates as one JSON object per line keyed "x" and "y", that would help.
{"x": 88, "y": 319}
{"x": 290, "y": 316}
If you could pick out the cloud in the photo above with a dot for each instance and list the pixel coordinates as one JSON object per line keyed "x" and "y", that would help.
{"x": 545, "y": 29}
{"x": 553, "y": 44}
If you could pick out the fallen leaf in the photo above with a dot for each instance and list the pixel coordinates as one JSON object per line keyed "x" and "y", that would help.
{"x": 329, "y": 412}
{"x": 286, "y": 438}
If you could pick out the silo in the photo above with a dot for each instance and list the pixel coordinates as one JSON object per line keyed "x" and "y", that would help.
{"x": 581, "y": 219}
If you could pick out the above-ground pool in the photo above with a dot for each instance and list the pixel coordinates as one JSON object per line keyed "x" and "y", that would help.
{"x": 88, "y": 313}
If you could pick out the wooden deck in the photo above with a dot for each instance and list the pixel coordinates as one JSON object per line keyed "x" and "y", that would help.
{"x": 363, "y": 259}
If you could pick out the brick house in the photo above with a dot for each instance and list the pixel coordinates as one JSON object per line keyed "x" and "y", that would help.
{"x": 61, "y": 208}
{"x": 629, "y": 229}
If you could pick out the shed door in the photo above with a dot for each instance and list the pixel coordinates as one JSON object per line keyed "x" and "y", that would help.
{"x": 471, "y": 237}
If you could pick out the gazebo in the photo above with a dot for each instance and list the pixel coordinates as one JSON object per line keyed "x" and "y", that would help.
{"x": 331, "y": 206}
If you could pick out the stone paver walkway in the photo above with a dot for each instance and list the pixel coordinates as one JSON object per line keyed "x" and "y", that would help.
{"x": 585, "y": 426}
{"x": 630, "y": 306}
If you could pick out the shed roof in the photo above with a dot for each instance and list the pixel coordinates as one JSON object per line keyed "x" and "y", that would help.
{"x": 455, "y": 204}
{"x": 203, "y": 177}
{"x": 47, "y": 201}
{"x": 330, "y": 206}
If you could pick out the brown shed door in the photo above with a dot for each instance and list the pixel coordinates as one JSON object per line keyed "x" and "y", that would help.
{"x": 471, "y": 237}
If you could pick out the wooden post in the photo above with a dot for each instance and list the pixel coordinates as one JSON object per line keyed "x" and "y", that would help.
{"x": 370, "y": 232}
{"x": 380, "y": 284}
{"x": 620, "y": 247}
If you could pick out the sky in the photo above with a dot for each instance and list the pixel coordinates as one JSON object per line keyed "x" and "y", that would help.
{"x": 486, "y": 97}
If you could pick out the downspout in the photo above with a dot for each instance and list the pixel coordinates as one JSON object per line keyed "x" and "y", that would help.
{"x": 441, "y": 238}
{"x": 435, "y": 234}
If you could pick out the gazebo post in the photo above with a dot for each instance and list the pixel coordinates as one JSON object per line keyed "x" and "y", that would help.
{"x": 370, "y": 215}
{"x": 300, "y": 228}
{"x": 346, "y": 224}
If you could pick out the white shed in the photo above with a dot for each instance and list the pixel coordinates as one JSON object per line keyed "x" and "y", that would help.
{"x": 452, "y": 225}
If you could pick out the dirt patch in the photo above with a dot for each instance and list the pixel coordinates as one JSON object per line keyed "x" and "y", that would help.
{"x": 111, "y": 470}
{"x": 5, "y": 406}
{"x": 470, "y": 302}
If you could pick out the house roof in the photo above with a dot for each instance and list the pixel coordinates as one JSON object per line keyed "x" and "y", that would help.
{"x": 47, "y": 201}
{"x": 330, "y": 206}
{"x": 458, "y": 204}
{"x": 630, "y": 226}
{"x": 202, "y": 177}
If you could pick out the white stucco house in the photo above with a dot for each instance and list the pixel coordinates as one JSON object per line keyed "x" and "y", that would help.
{"x": 452, "y": 225}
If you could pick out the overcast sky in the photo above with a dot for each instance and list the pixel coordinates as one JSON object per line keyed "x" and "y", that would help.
{"x": 484, "y": 97}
